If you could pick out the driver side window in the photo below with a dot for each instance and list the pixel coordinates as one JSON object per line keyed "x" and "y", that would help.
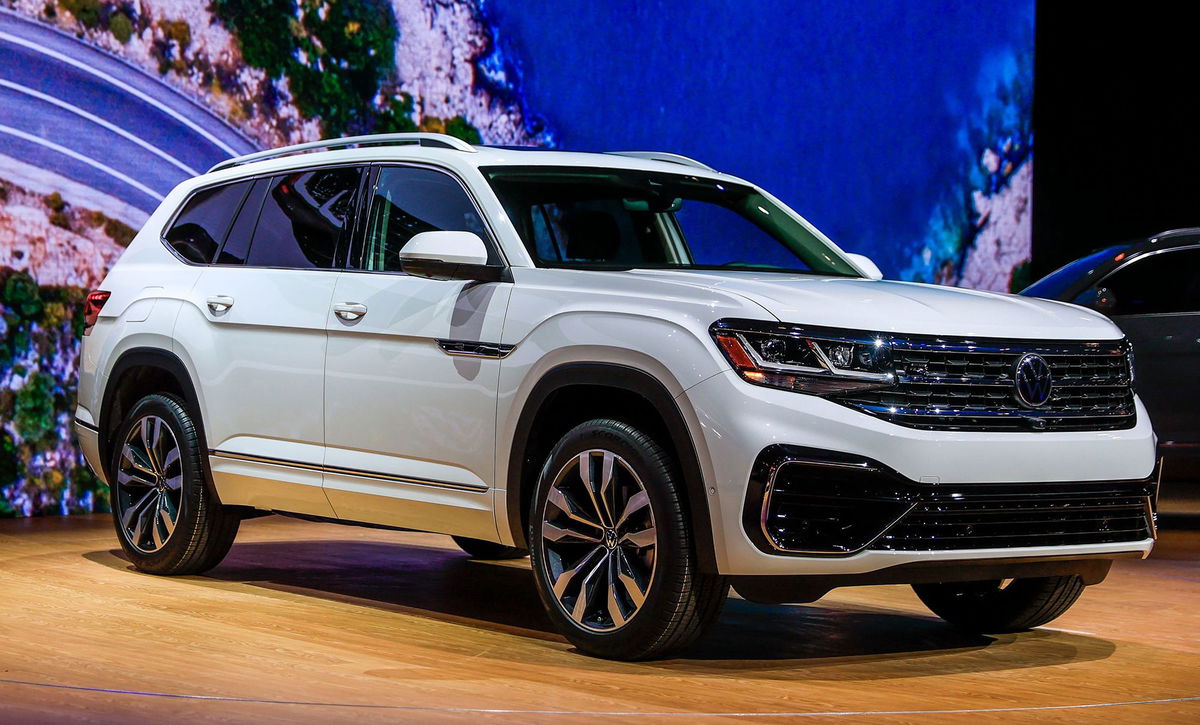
{"x": 409, "y": 200}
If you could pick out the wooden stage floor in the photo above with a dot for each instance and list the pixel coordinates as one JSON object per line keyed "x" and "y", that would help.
{"x": 316, "y": 622}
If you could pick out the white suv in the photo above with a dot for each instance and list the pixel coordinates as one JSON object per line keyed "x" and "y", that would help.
{"x": 654, "y": 378}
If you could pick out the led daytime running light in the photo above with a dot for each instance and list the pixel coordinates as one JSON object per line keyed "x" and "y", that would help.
{"x": 805, "y": 364}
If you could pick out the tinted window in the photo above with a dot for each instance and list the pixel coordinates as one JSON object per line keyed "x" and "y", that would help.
{"x": 201, "y": 226}
{"x": 1160, "y": 283}
{"x": 1053, "y": 285}
{"x": 237, "y": 242}
{"x": 304, "y": 216}
{"x": 408, "y": 201}
{"x": 719, "y": 237}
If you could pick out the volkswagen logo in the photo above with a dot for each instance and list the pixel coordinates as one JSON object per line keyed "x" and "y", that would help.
{"x": 1034, "y": 380}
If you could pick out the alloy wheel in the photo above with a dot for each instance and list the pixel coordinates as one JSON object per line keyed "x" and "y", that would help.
{"x": 149, "y": 484}
{"x": 599, "y": 541}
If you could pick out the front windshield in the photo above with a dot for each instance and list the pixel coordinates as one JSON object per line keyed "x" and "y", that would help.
{"x": 1055, "y": 285}
{"x": 620, "y": 219}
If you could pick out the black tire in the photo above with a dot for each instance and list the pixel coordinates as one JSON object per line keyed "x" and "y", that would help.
{"x": 987, "y": 607}
{"x": 678, "y": 602}
{"x": 203, "y": 530}
{"x": 488, "y": 550}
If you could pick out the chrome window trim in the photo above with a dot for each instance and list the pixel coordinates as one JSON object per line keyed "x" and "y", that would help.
{"x": 162, "y": 233}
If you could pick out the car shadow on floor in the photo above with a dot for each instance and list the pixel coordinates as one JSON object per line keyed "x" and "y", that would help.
{"x": 443, "y": 584}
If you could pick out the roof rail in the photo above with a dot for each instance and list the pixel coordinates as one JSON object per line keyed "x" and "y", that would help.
{"x": 670, "y": 158}
{"x": 1171, "y": 233}
{"x": 435, "y": 140}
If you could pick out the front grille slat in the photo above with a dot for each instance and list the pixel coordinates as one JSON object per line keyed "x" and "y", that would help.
{"x": 969, "y": 385}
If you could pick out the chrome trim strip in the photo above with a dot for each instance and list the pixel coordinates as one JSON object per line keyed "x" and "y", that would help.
{"x": 470, "y": 348}
{"x": 1001, "y": 382}
{"x": 267, "y": 460}
{"x": 927, "y": 343}
{"x": 954, "y": 412}
{"x": 1048, "y": 347}
{"x": 857, "y": 466}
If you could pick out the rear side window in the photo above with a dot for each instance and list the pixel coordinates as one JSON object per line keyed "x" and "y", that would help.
{"x": 305, "y": 216}
{"x": 201, "y": 226}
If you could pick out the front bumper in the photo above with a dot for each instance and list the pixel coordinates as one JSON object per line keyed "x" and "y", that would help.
{"x": 738, "y": 421}
{"x": 807, "y": 502}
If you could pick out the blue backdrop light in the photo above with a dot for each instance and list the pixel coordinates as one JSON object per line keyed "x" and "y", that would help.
{"x": 858, "y": 114}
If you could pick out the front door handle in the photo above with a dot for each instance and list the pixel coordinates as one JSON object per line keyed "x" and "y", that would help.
{"x": 349, "y": 311}
{"x": 219, "y": 304}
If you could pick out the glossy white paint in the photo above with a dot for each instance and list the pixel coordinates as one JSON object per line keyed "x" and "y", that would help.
{"x": 732, "y": 436}
{"x": 450, "y": 247}
{"x": 866, "y": 265}
{"x": 261, "y": 364}
{"x": 397, "y": 405}
{"x": 375, "y": 411}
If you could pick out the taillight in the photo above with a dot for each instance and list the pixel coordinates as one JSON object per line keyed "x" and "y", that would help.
{"x": 91, "y": 308}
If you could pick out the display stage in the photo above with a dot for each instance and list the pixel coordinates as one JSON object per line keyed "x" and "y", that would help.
{"x": 317, "y": 622}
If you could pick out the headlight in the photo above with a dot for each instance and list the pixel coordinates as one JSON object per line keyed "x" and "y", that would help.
{"x": 805, "y": 360}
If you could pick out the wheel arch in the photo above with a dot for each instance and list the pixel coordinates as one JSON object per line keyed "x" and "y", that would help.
{"x": 138, "y": 372}
{"x": 626, "y": 390}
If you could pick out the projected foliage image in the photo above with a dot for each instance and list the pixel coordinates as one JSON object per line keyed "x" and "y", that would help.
{"x": 901, "y": 129}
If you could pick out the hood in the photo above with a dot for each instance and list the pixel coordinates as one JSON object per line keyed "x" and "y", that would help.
{"x": 906, "y": 307}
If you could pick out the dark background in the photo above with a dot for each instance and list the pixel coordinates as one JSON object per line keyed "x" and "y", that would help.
{"x": 1117, "y": 127}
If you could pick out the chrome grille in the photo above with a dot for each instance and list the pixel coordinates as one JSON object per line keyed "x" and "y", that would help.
{"x": 946, "y": 384}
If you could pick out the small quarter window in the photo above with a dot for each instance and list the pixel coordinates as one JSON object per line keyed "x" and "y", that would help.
{"x": 408, "y": 201}
{"x": 304, "y": 217}
{"x": 201, "y": 226}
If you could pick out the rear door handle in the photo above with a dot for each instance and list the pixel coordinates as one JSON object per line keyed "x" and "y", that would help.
{"x": 349, "y": 311}
{"x": 219, "y": 304}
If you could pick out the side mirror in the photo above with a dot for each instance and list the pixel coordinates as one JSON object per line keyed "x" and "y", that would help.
{"x": 448, "y": 255}
{"x": 1100, "y": 299}
{"x": 864, "y": 264}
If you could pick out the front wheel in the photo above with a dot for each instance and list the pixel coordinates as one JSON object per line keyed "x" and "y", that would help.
{"x": 611, "y": 548}
{"x": 993, "y": 607}
{"x": 167, "y": 520}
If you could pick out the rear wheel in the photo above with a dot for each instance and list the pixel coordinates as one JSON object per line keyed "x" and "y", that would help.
{"x": 611, "y": 548}
{"x": 166, "y": 518}
{"x": 998, "y": 606}
{"x": 488, "y": 550}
